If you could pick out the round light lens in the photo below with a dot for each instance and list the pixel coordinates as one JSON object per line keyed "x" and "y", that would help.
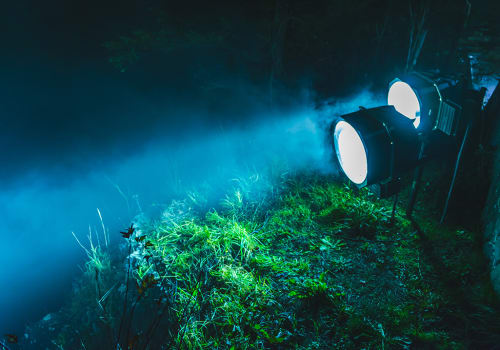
{"x": 404, "y": 99}
{"x": 350, "y": 152}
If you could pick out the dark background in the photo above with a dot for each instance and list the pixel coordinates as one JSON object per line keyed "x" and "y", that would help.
{"x": 141, "y": 93}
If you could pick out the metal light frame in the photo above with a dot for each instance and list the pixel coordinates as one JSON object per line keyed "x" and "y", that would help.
{"x": 437, "y": 97}
{"x": 391, "y": 142}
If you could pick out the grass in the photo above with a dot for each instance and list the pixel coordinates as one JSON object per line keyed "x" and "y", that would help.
{"x": 309, "y": 263}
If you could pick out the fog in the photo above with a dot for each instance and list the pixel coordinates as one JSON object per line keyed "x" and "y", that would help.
{"x": 58, "y": 178}
{"x": 77, "y": 135}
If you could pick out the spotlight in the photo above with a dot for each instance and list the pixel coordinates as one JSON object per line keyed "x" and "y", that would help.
{"x": 427, "y": 100}
{"x": 404, "y": 99}
{"x": 375, "y": 145}
{"x": 351, "y": 152}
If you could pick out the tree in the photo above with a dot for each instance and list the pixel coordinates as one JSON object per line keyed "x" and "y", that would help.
{"x": 418, "y": 32}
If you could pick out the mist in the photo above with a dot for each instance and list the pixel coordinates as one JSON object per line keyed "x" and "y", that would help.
{"x": 77, "y": 135}
{"x": 139, "y": 111}
{"x": 136, "y": 162}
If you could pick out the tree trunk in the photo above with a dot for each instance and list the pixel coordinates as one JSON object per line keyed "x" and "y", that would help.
{"x": 491, "y": 214}
{"x": 281, "y": 18}
{"x": 418, "y": 18}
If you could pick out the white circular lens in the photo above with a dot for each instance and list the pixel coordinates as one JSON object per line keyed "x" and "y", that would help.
{"x": 350, "y": 152}
{"x": 404, "y": 99}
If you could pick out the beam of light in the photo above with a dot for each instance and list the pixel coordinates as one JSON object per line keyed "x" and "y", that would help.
{"x": 404, "y": 99}
{"x": 350, "y": 152}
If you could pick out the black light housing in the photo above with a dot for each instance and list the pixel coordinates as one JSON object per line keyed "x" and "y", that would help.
{"x": 375, "y": 145}
{"x": 428, "y": 101}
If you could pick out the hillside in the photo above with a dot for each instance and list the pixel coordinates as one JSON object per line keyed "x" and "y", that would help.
{"x": 299, "y": 262}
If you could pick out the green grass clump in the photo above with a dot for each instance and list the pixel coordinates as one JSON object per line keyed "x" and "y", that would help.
{"x": 315, "y": 265}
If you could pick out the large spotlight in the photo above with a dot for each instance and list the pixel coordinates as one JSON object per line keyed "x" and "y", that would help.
{"x": 351, "y": 152}
{"x": 427, "y": 100}
{"x": 375, "y": 145}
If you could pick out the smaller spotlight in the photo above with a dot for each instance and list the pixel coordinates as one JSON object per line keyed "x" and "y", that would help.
{"x": 427, "y": 100}
{"x": 375, "y": 145}
{"x": 404, "y": 99}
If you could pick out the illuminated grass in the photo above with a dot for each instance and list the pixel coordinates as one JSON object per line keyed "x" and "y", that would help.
{"x": 314, "y": 265}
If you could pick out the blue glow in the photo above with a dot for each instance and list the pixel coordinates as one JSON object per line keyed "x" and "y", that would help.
{"x": 350, "y": 152}
{"x": 404, "y": 99}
